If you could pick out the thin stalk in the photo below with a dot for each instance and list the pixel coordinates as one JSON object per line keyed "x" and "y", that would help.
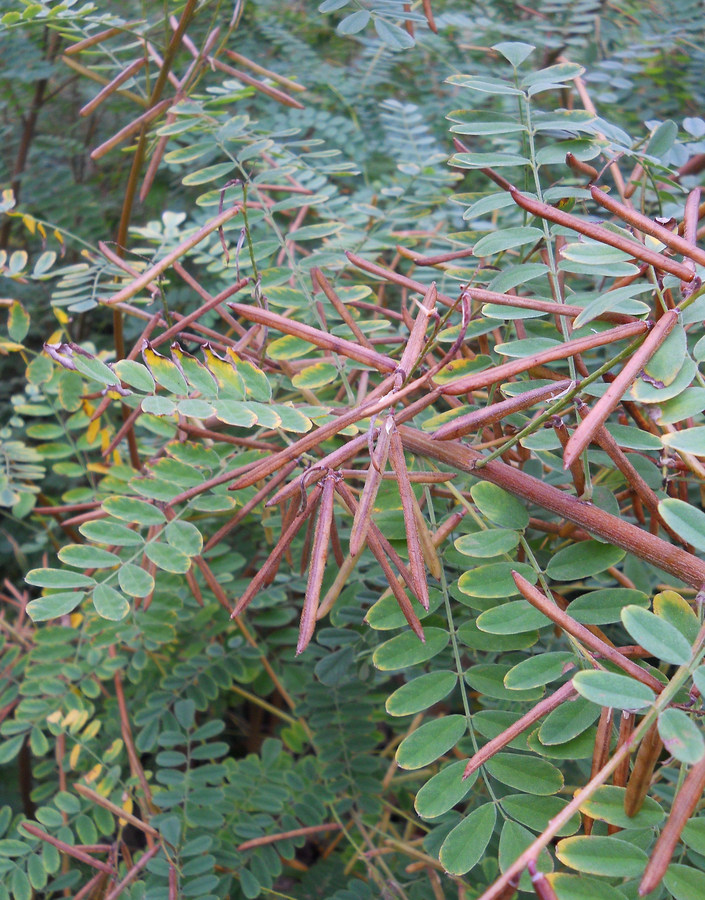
{"x": 460, "y": 672}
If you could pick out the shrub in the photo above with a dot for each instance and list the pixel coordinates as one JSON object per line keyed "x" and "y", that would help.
{"x": 356, "y": 542}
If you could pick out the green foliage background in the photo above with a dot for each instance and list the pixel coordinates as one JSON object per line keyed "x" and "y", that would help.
{"x": 121, "y": 669}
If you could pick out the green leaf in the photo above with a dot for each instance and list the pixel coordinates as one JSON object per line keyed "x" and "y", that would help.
{"x": 592, "y": 253}
{"x": 567, "y": 721}
{"x": 515, "y": 52}
{"x": 507, "y": 239}
{"x": 552, "y": 75}
{"x": 420, "y": 693}
{"x": 609, "y": 300}
{"x": 681, "y": 736}
{"x": 583, "y": 559}
{"x": 644, "y": 391}
{"x": 693, "y": 835}
{"x": 134, "y": 374}
{"x": 195, "y": 409}
{"x": 93, "y": 368}
{"x": 580, "y": 887}
{"x": 512, "y": 618}
{"x": 158, "y": 406}
{"x": 109, "y": 603}
{"x": 167, "y": 558}
{"x": 37, "y": 873}
{"x": 673, "y": 608}
{"x": 525, "y": 773}
{"x": 444, "y": 791}
{"x": 21, "y": 888}
{"x": 689, "y": 403}
{"x": 385, "y": 615}
{"x": 10, "y": 748}
{"x": 354, "y": 22}
{"x": 184, "y": 536}
{"x": 488, "y": 679}
{"x": 332, "y": 5}
{"x": 103, "y": 531}
{"x": 484, "y": 122}
{"x": 483, "y": 160}
{"x": 70, "y": 385}
{"x": 134, "y": 581}
{"x": 495, "y": 579}
{"x": 292, "y": 419}
{"x": 610, "y": 689}
{"x": 54, "y": 605}
{"x": 176, "y": 472}
{"x": 484, "y": 85}
{"x": 513, "y": 841}
{"x": 536, "y": 812}
{"x": 235, "y": 412}
{"x": 662, "y": 139}
{"x": 58, "y": 578}
{"x": 471, "y": 636}
{"x": 537, "y": 670}
{"x": 526, "y": 347}
{"x": 17, "y": 322}
{"x": 605, "y": 606}
{"x": 656, "y": 635}
{"x": 666, "y": 363}
{"x": 602, "y": 856}
{"x": 430, "y": 741}
{"x": 84, "y": 556}
{"x": 684, "y": 882}
{"x": 607, "y": 804}
{"x": 499, "y": 506}
{"x": 465, "y": 845}
{"x": 9, "y": 847}
{"x": 392, "y": 35}
{"x": 406, "y": 649}
{"x": 129, "y": 509}
{"x": 687, "y": 521}
{"x": 208, "y": 173}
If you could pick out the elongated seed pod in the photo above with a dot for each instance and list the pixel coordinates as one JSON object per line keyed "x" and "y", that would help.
{"x": 640, "y": 779}
{"x": 416, "y": 564}
{"x": 376, "y": 548}
{"x": 319, "y": 556}
{"x": 378, "y": 461}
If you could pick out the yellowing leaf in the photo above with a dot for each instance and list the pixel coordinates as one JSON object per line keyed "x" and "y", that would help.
{"x": 228, "y": 378}
{"x": 91, "y": 776}
{"x": 315, "y": 376}
{"x": 255, "y": 380}
{"x": 9, "y": 346}
{"x": 164, "y": 371}
{"x": 127, "y": 805}
{"x": 93, "y": 430}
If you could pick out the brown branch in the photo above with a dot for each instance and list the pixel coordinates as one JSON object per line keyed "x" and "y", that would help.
{"x": 597, "y": 416}
{"x": 542, "y": 708}
{"x": 561, "y": 351}
{"x": 617, "y": 531}
{"x": 285, "y": 835}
